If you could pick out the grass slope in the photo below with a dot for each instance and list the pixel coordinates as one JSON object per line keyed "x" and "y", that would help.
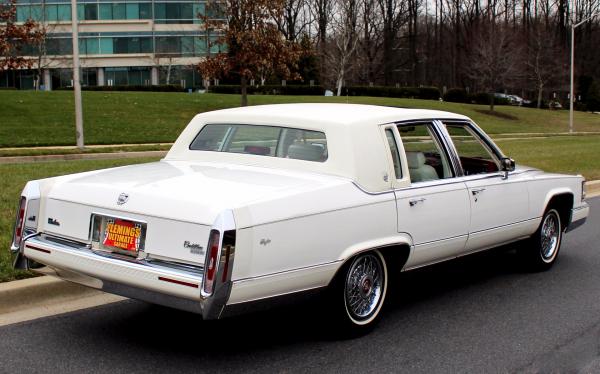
{"x": 10, "y": 190}
{"x": 31, "y": 118}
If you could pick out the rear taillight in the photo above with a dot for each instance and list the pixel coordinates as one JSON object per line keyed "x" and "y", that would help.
{"x": 212, "y": 262}
{"x": 19, "y": 222}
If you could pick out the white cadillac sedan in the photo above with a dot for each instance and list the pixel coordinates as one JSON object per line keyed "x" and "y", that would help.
{"x": 257, "y": 203}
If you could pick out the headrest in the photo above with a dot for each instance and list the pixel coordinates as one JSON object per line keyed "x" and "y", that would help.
{"x": 415, "y": 159}
{"x": 302, "y": 151}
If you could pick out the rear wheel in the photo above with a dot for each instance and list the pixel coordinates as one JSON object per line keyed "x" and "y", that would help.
{"x": 541, "y": 251}
{"x": 358, "y": 293}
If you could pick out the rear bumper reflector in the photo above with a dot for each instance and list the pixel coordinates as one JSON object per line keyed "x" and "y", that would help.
{"x": 164, "y": 279}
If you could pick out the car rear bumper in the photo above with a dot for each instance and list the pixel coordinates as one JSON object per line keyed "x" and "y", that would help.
{"x": 166, "y": 283}
{"x": 579, "y": 216}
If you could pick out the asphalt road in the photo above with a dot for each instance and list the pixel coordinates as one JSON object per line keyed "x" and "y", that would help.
{"x": 480, "y": 314}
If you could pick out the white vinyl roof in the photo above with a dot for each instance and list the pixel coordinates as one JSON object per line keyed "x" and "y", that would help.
{"x": 328, "y": 114}
{"x": 355, "y": 142}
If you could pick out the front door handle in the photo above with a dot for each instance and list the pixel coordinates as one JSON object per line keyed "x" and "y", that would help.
{"x": 416, "y": 201}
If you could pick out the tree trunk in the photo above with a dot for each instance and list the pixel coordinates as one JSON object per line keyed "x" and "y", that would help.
{"x": 244, "y": 89}
{"x": 491, "y": 101}
{"x": 540, "y": 92}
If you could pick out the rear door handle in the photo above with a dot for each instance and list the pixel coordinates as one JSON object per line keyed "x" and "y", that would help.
{"x": 476, "y": 191}
{"x": 416, "y": 201}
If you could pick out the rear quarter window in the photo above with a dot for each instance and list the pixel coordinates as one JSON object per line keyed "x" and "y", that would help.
{"x": 282, "y": 142}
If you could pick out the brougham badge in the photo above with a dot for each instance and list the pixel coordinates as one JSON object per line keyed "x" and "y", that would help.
{"x": 52, "y": 221}
{"x": 195, "y": 249}
{"x": 122, "y": 198}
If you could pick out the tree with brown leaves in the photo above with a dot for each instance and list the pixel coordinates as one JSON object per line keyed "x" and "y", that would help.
{"x": 14, "y": 38}
{"x": 255, "y": 46}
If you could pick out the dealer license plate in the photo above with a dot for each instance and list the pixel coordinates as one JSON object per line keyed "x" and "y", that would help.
{"x": 118, "y": 234}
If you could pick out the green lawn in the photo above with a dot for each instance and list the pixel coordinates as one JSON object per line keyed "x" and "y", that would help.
{"x": 29, "y": 118}
{"x": 561, "y": 154}
{"x": 10, "y": 190}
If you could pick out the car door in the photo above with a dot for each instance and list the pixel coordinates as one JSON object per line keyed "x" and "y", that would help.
{"x": 499, "y": 205}
{"x": 433, "y": 205}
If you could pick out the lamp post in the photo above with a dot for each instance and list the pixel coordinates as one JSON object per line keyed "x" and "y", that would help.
{"x": 76, "y": 80}
{"x": 571, "y": 93}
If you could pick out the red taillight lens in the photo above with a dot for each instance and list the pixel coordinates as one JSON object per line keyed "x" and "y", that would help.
{"x": 212, "y": 262}
{"x": 19, "y": 222}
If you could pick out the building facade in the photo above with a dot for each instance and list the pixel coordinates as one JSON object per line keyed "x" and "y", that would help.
{"x": 125, "y": 42}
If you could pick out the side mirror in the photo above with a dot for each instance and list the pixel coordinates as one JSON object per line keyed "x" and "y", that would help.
{"x": 508, "y": 165}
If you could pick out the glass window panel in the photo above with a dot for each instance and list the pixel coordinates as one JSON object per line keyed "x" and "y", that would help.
{"x": 199, "y": 45}
{"x": 133, "y": 45}
{"x": 52, "y": 46}
{"x": 160, "y": 11}
{"x": 133, "y": 11}
{"x": 135, "y": 77}
{"x": 394, "y": 151}
{"x": 198, "y": 10}
{"x": 36, "y": 12}
{"x": 120, "y": 45}
{"x": 425, "y": 157}
{"x": 92, "y": 46}
{"x": 263, "y": 140}
{"x": 475, "y": 157}
{"x": 145, "y": 11}
{"x": 187, "y": 45}
{"x": 91, "y": 11}
{"x": 172, "y": 11}
{"x": 82, "y": 50}
{"x": 23, "y": 13}
{"x": 216, "y": 46}
{"x": 119, "y": 11}
{"x": 146, "y": 45}
{"x": 106, "y": 46}
{"x": 51, "y": 13}
{"x": 64, "y": 12}
{"x": 106, "y": 11}
{"x": 146, "y": 77}
{"x": 186, "y": 11}
{"x": 80, "y": 11}
{"x": 65, "y": 46}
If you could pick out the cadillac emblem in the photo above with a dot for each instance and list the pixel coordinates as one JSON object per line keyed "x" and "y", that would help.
{"x": 122, "y": 198}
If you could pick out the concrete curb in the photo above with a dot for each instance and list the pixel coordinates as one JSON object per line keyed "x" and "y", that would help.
{"x": 33, "y": 298}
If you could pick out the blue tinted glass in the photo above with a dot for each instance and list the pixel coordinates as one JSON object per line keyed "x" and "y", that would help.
{"x": 64, "y": 12}
{"x": 92, "y": 46}
{"x": 106, "y": 11}
{"x": 145, "y": 11}
{"x": 22, "y": 13}
{"x": 133, "y": 11}
{"x": 51, "y": 13}
{"x": 106, "y": 46}
{"x": 119, "y": 11}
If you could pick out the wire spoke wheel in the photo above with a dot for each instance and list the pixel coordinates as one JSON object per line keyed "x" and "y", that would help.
{"x": 364, "y": 288}
{"x": 549, "y": 236}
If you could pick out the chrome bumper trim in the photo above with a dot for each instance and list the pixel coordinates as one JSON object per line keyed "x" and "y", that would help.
{"x": 578, "y": 216}
{"x": 138, "y": 279}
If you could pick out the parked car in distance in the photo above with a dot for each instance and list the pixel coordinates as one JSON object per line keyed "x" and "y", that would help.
{"x": 517, "y": 100}
{"x": 254, "y": 204}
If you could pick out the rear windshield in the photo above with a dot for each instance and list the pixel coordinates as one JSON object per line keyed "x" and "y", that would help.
{"x": 283, "y": 142}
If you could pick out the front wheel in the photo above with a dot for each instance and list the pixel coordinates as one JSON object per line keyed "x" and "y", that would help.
{"x": 541, "y": 251}
{"x": 358, "y": 293}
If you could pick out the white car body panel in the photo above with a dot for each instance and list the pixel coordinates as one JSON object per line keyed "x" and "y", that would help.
{"x": 294, "y": 223}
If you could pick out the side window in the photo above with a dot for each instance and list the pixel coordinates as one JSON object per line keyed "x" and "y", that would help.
{"x": 475, "y": 157}
{"x": 425, "y": 157}
{"x": 395, "y": 154}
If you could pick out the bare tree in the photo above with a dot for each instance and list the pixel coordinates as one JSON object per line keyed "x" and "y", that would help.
{"x": 494, "y": 58}
{"x": 543, "y": 62}
{"x": 344, "y": 40}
